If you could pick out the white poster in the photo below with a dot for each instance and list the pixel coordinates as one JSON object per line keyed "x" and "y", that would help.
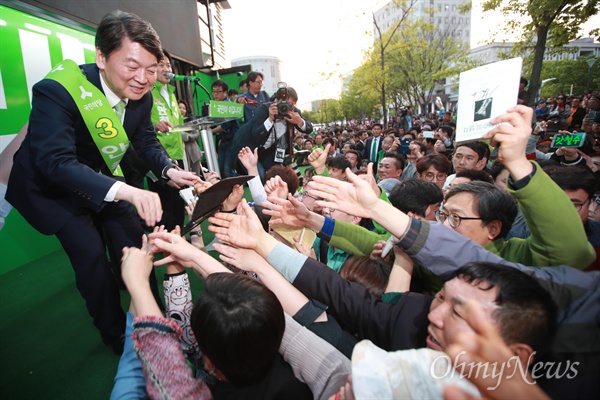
{"x": 483, "y": 94}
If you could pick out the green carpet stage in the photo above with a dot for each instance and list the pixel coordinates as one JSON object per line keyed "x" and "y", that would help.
{"x": 49, "y": 348}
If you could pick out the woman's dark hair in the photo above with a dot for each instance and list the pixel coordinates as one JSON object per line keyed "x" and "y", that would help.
{"x": 415, "y": 195}
{"x": 475, "y": 175}
{"x": 339, "y": 162}
{"x": 118, "y": 25}
{"x": 373, "y": 274}
{"x": 439, "y": 162}
{"x": 239, "y": 325}
{"x": 287, "y": 175}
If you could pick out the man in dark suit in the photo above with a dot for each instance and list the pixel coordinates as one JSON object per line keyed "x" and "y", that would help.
{"x": 373, "y": 144}
{"x": 271, "y": 132}
{"x": 60, "y": 181}
{"x": 576, "y": 115}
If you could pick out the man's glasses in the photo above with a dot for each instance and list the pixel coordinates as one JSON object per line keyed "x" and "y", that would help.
{"x": 430, "y": 176}
{"x": 218, "y": 91}
{"x": 579, "y": 206}
{"x": 453, "y": 219}
{"x": 304, "y": 194}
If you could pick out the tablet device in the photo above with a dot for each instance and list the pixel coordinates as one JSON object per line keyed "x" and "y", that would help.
{"x": 211, "y": 199}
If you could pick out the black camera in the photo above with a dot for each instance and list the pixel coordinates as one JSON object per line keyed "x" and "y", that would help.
{"x": 283, "y": 106}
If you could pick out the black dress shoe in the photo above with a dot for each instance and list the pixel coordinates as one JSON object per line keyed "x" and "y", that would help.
{"x": 116, "y": 343}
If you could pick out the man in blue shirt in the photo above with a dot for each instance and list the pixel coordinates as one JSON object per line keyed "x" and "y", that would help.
{"x": 254, "y": 97}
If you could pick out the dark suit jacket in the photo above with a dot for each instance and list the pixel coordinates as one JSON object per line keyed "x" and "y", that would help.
{"x": 253, "y": 134}
{"x": 367, "y": 151}
{"x": 390, "y": 326}
{"x": 58, "y": 169}
{"x": 577, "y": 119}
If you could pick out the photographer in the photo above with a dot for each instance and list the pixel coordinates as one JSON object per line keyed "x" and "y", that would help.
{"x": 272, "y": 128}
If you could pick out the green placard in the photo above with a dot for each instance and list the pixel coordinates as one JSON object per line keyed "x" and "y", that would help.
{"x": 568, "y": 140}
{"x": 226, "y": 109}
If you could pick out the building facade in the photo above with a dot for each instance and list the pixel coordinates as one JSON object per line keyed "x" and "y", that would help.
{"x": 269, "y": 66}
{"x": 445, "y": 15}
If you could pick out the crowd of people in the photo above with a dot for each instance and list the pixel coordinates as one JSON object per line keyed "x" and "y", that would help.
{"x": 397, "y": 264}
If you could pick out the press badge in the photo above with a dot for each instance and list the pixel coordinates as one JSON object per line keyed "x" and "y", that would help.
{"x": 279, "y": 155}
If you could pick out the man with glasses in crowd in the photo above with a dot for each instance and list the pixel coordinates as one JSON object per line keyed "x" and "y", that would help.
{"x": 227, "y": 131}
{"x": 254, "y": 96}
{"x": 433, "y": 168}
{"x": 484, "y": 213}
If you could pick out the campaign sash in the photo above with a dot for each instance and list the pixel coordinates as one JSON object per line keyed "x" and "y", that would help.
{"x": 103, "y": 124}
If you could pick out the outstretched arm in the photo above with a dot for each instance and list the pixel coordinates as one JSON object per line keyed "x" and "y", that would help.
{"x": 291, "y": 299}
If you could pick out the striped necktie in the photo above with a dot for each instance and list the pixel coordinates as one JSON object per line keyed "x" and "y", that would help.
{"x": 374, "y": 145}
{"x": 120, "y": 109}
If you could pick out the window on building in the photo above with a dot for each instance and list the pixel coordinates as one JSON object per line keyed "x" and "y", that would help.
{"x": 453, "y": 7}
{"x": 446, "y": 7}
{"x": 446, "y": 20}
{"x": 272, "y": 71}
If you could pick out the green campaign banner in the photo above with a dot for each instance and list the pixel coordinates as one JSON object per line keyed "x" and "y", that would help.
{"x": 226, "y": 109}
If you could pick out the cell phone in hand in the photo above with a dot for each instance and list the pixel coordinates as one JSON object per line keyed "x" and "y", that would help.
{"x": 389, "y": 244}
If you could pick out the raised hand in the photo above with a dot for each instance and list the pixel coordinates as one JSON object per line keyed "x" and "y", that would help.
{"x": 318, "y": 158}
{"x": 241, "y": 230}
{"x": 175, "y": 248}
{"x": 136, "y": 266}
{"x": 200, "y": 187}
{"x": 355, "y": 197}
{"x": 146, "y": 203}
{"x": 249, "y": 160}
{"x": 377, "y": 249}
{"x": 277, "y": 187}
{"x": 244, "y": 259}
{"x": 486, "y": 346}
{"x": 370, "y": 178}
{"x": 189, "y": 208}
{"x": 511, "y": 133}
{"x": 289, "y": 212}
{"x": 303, "y": 248}
{"x": 182, "y": 178}
{"x": 211, "y": 177}
{"x": 234, "y": 198}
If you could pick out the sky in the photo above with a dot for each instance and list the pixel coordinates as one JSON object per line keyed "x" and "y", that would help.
{"x": 317, "y": 41}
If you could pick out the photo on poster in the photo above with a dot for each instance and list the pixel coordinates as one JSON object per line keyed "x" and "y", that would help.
{"x": 483, "y": 94}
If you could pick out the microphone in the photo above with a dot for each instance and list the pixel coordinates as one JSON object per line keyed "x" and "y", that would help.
{"x": 180, "y": 77}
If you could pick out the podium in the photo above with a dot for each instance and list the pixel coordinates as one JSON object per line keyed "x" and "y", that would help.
{"x": 218, "y": 112}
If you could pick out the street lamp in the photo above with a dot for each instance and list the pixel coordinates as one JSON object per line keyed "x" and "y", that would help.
{"x": 539, "y": 94}
{"x": 590, "y": 62}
